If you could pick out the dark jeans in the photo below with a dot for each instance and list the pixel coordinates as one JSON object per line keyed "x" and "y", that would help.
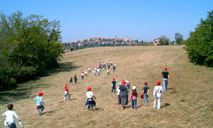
{"x": 12, "y": 125}
{"x": 113, "y": 89}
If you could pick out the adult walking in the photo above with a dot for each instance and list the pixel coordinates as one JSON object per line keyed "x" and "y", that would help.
{"x": 124, "y": 94}
{"x": 165, "y": 75}
{"x": 158, "y": 90}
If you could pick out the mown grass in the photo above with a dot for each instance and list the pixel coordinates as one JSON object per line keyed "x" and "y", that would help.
{"x": 187, "y": 103}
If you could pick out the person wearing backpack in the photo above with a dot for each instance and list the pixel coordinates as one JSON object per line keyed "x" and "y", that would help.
{"x": 157, "y": 93}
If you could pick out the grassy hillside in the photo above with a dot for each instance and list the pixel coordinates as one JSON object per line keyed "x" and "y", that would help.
{"x": 187, "y": 103}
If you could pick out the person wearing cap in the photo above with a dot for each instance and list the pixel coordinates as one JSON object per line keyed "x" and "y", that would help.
{"x": 66, "y": 93}
{"x": 124, "y": 94}
{"x": 118, "y": 93}
{"x": 133, "y": 97}
{"x": 90, "y": 101}
{"x": 113, "y": 85}
{"x": 10, "y": 116}
{"x": 165, "y": 75}
{"x": 157, "y": 93}
{"x": 39, "y": 103}
{"x": 145, "y": 92}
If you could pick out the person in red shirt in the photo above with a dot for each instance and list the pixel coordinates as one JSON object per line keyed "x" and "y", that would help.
{"x": 66, "y": 93}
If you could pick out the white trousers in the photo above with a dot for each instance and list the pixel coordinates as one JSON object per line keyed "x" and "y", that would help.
{"x": 155, "y": 102}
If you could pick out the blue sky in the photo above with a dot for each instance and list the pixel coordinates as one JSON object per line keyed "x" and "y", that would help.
{"x": 139, "y": 19}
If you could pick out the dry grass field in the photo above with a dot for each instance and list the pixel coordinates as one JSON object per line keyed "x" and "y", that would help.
{"x": 188, "y": 102}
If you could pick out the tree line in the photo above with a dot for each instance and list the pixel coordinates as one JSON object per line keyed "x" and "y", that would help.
{"x": 28, "y": 47}
{"x": 200, "y": 43}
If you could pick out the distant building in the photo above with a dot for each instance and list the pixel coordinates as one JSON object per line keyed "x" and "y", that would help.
{"x": 156, "y": 42}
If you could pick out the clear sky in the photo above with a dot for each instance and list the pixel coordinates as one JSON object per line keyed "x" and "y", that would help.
{"x": 139, "y": 19}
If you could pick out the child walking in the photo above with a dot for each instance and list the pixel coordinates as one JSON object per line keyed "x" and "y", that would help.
{"x": 158, "y": 90}
{"x": 9, "y": 117}
{"x": 66, "y": 93}
{"x": 39, "y": 103}
{"x": 82, "y": 75}
{"x": 145, "y": 92}
{"x": 118, "y": 93}
{"x": 113, "y": 85}
{"x": 71, "y": 81}
{"x": 90, "y": 101}
{"x": 133, "y": 97}
{"x": 75, "y": 78}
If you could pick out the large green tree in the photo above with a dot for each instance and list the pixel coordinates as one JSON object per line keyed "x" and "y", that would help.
{"x": 200, "y": 43}
{"x": 28, "y": 46}
{"x": 164, "y": 40}
{"x": 179, "y": 38}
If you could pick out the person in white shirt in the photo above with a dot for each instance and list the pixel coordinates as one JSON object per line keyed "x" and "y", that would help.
{"x": 118, "y": 93}
{"x": 157, "y": 93}
{"x": 85, "y": 72}
{"x": 89, "y": 69}
{"x": 94, "y": 72}
{"x": 10, "y": 117}
{"x": 82, "y": 75}
{"x": 90, "y": 101}
{"x": 108, "y": 70}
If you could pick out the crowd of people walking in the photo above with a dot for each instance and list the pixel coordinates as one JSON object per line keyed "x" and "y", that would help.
{"x": 124, "y": 95}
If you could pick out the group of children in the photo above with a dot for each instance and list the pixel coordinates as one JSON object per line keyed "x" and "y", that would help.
{"x": 122, "y": 96}
{"x": 122, "y": 92}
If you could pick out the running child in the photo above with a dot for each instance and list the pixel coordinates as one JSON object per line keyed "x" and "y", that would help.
{"x": 66, "y": 93}
{"x": 133, "y": 97}
{"x": 39, "y": 103}
{"x": 10, "y": 116}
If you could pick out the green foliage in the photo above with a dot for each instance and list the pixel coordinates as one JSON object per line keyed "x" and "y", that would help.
{"x": 179, "y": 38}
{"x": 28, "y": 46}
{"x": 200, "y": 43}
{"x": 164, "y": 40}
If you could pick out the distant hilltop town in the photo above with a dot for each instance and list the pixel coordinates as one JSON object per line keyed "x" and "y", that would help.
{"x": 101, "y": 41}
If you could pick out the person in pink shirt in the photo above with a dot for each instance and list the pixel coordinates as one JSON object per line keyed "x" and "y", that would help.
{"x": 133, "y": 97}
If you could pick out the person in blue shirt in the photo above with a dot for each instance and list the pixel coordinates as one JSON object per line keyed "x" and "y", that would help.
{"x": 39, "y": 103}
{"x": 145, "y": 92}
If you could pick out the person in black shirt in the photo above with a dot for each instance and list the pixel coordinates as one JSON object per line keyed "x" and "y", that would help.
{"x": 113, "y": 85}
{"x": 165, "y": 75}
{"x": 145, "y": 92}
{"x": 71, "y": 81}
{"x": 75, "y": 78}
